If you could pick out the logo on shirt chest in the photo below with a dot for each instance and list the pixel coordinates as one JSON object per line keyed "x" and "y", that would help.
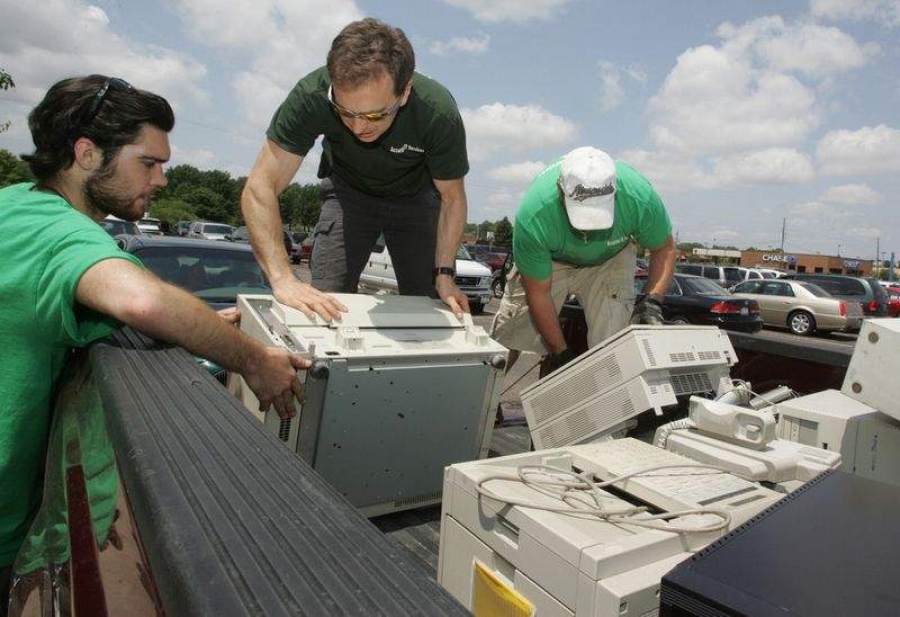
{"x": 405, "y": 147}
{"x": 616, "y": 241}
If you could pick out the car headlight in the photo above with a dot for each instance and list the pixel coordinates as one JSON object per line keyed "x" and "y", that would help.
{"x": 484, "y": 281}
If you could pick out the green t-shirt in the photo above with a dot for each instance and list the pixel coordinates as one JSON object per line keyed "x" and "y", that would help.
{"x": 45, "y": 247}
{"x": 426, "y": 141}
{"x": 543, "y": 234}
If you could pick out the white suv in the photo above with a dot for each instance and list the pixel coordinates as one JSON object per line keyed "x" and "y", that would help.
{"x": 472, "y": 278}
{"x": 210, "y": 231}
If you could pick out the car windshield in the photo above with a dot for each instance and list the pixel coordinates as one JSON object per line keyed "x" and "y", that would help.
{"x": 216, "y": 229}
{"x": 114, "y": 228}
{"x": 213, "y": 275}
{"x": 462, "y": 253}
{"x": 703, "y": 287}
{"x": 815, "y": 290}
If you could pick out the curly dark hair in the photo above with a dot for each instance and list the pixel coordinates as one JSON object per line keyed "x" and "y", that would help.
{"x": 63, "y": 116}
{"x": 365, "y": 48}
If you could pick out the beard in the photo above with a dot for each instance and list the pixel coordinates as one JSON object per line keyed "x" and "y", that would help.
{"x": 104, "y": 192}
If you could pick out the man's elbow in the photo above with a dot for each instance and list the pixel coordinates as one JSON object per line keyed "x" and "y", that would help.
{"x": 145, "y": 309}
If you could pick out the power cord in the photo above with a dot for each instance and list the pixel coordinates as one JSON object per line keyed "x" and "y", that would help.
{"x": 582, "y": 496}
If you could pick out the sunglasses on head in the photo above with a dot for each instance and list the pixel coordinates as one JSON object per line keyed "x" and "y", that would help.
{"x": 97, "y": 102}
{"x": 370, "y": 116}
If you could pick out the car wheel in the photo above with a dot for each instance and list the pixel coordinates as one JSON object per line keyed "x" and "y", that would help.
{"x": 477, "y": 309}
{"x": 497, "y": 286}
{"x": 801, "y": 323}
{"x": 679, "y": 320}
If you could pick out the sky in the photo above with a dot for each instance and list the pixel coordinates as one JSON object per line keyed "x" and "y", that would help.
{"x": 747, "y": 117}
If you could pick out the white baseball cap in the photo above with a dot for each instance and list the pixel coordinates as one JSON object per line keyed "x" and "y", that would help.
{"x": 587, "y": 177}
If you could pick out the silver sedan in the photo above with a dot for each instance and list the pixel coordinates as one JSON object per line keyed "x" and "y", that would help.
{"x": 801, "y": 307}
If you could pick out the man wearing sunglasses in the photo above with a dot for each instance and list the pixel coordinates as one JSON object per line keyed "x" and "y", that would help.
{"x": 576, "y": 233}
{"x": 393, "y": 161}
{"x": 100, "y": 145}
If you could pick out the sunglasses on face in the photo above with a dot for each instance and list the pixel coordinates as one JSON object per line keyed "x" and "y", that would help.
{"x": 369, "y": 116}
{"x": 97, "y": 102}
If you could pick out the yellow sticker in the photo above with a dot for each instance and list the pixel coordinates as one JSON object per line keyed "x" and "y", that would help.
{"x": 493, "y": 597}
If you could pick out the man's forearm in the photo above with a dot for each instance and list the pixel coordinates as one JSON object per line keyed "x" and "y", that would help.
{"x": 173, "y": 315}
{"x": 259, "y": 205}
{"x": 451, "y": 223}
{"x": 545, "y": 317}
{"x": 662, "y": 267}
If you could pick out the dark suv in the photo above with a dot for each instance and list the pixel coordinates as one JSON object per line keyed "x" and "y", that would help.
{"x": 866, "y": 291}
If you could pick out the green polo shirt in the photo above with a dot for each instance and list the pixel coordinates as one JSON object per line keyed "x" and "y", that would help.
{"x": 543, "y": 234}
{"x": 45, "y": 248}
{"x": 425, "y": 142}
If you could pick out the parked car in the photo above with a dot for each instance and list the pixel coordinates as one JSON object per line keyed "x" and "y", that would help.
{"x": 771, "y": 273}
{"x": 116, "y": 226}
{"x": 242, "y": 236}
{"x": 866, "y": 291}
{"x": 498, "y": 276}
{"x": 216, "y": 272}
{"x": 210, "y": 231}
{"x": 726, "y": 276}
{"x": 696, "y": 300}
{"x": 801, "y": 306}
{"x": 893, "y": 302}
{"x": 150, "y": 226}
{"x": 472, "y": 278}
{"x": 306, "y": 248}
{"x": 182, "y": 228}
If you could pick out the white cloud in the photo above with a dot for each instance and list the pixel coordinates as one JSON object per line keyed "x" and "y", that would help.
{"x": 865, "y": 232}
{"x": 852, "y": 194}
{"x": 814, "y": 50}
{"x": 43, "y": 42}
{"x": 869, "y": 150}
{"x": 771, "y": 166}
{"x": 470, "y": 45}
{"x": 518, "y": 173}
{"x": 886, "y": 12}
{"x": 510, "y": 10}
{"x": 713, "y": 101}
{"x": 279, "y": 40}
{"x": 199, "y": 158}
{"x": 494, "y": 127}
{"x": 669, "y": 172}
{"x": 612, "y": 92}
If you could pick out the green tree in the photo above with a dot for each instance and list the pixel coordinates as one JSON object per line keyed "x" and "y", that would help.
{"x": 172, "y": 210}
{"x": 209, "y": 205}
{"x": 503, "y": 232}
{"x": 6, "y": 82}
{"x": 13, "y": 169}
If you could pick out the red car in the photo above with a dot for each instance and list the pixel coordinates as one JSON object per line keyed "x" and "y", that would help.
{"x": 893, "y": 302}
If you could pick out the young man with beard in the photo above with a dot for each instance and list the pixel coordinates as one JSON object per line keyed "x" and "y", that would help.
{"x": 99, "y": 149}
{"x": 393, "y": 161}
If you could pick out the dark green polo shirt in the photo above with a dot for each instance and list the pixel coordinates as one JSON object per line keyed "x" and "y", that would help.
{"x": 425, "y": 142}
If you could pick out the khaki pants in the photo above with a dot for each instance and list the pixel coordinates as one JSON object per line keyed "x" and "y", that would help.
{"x": 606, "y": 292}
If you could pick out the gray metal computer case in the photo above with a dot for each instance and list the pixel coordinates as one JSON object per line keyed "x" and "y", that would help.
{"x": 397, "y": 390}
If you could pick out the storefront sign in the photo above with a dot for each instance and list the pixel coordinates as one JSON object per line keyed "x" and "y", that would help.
{"x": 851, "y": 264}
{"x": 788, "y": 259}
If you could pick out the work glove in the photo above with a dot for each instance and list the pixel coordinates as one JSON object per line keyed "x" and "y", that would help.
{"x": 562, "y": 358}
{"x": 648, "y": 312}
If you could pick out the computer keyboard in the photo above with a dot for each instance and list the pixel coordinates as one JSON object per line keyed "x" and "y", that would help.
{"x": 671, "y": 489}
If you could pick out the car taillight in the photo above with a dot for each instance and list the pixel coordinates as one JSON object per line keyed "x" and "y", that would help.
{"x": 843, "y": 308}
{"x": 724, "y": 307}
{"x": 872, "y": 306}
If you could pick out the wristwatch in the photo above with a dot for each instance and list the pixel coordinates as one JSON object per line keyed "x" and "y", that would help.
{"x": 451, "y": 272}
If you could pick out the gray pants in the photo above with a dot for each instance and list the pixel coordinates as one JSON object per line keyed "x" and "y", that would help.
{"x": 349, "y": 226}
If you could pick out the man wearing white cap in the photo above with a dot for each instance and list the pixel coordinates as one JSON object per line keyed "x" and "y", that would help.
{"x": 576, "y": 233}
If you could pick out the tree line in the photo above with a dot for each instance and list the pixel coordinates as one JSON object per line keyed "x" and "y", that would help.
{"x": 197, "y": 195}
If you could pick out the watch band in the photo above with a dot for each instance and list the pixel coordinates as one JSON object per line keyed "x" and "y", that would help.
{"x": 451, "y": 272}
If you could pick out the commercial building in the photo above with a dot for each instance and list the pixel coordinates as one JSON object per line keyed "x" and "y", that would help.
{"x": 803, "y": 262}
